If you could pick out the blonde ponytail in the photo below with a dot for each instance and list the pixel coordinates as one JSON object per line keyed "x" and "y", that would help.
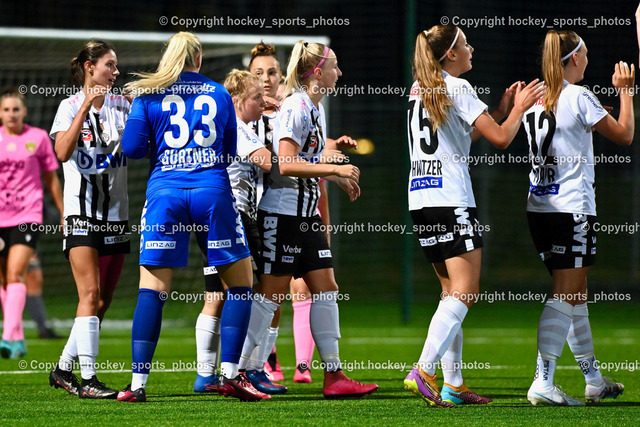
{"x": 556, "y": 45}
{"x": 427, "y": 70}
{"x": 182, "y": 50}
{"x": 304, "y": 58}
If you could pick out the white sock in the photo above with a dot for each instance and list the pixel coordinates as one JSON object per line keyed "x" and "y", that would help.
{"x": 444, "y": 326}
{"x": 70, "y": 351}
{"x": 271, "y": 338}
{"x": 261, "y": 352}
{"x": 452, "y": 362}
{"x": 324, "y": 320}
{"x": 553, "y": 328}
{"x": 139, "y": 380}
{"x": 88, "y": 341}
{"x": 262, "y": 311}
{"x": 229, "y": 370}
{"x": 545, "y": 369}
{"x": 207, "y": 344}
{"x": 581, "y": 344}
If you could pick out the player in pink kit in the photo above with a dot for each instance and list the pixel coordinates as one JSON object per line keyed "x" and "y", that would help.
{"x": 26, "y": 152}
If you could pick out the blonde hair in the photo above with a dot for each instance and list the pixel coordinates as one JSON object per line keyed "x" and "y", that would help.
{"x": 240, "y": 82}
{"x": 305, "y": 57}
{"x": 430, "y": 46}
{"x": 182, "y": 50}
{"x": 556, "y": 45}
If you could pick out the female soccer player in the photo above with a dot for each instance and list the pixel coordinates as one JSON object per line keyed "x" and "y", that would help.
{"x": 247, "y": 93}
{"x": 87, "y": 130}
{"x": 292, "y": 243}
{"x": 187, "y": 123}
{"x": 561, "y": 207}
{"x": 26, "y": 152}
{"x": 443, "y": 113}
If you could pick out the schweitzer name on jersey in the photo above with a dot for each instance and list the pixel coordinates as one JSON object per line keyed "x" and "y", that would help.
{"x": 427, "y": 173}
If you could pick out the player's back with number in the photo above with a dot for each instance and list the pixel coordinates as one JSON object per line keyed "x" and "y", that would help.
{"x": 561, "y": 149}
{"x": 192, "y": 132}
{"x": 439, "y": 173}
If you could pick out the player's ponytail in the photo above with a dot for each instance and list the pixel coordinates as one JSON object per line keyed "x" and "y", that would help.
{"x": 182, "y": 50}
{"x": 430, "y": 46}
{"x": 92, "y": 51}
{"x": 239, "y": 83}
{"x": 557, "y": 45}
{"x": 305, "y": 58}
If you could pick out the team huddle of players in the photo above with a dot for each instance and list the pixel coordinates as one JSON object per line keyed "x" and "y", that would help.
{"x": 243, "y": 164}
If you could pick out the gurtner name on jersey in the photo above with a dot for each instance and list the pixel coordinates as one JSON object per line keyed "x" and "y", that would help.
{"x": 190, "y": 158}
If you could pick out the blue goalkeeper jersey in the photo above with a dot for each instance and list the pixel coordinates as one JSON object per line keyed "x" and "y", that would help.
{"x": 189, "y": 130}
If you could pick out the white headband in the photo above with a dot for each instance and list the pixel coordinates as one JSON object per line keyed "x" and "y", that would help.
{"x": 455, "y": 39}
{"x": 564, "y": 58}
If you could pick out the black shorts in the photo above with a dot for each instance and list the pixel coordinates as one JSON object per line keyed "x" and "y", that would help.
{"x": 563, "y": 240}
{"x": 10, "y": 236}
{"x": 292, "y": 245}
{"x": 212, "y": 281}
{"x": 447, "y": 232}
{"x": 108, "y": 237}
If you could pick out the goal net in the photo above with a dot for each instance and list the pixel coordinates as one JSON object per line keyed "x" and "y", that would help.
{"x": 36, "y": 62}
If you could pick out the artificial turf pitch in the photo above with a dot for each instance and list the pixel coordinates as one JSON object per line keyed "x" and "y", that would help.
{"x": 499, "y": 354}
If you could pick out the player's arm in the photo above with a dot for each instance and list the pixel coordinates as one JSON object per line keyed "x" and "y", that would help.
{"x": 291, "y": 164}
{"x": 52, "y": 183}
{"x": 135, "y": 138}
{"x": 503, "y": 110}
{"x": 261, "y": 158}
{"x": 501, "y": 136}
{"x": 66, "y": 140}
{"x": 621, "y": 131}
{"x": 346, "y": 176}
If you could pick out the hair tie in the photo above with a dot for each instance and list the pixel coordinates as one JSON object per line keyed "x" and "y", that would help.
{"x": 455, "y": 39}
{"x": 564, "y": 58}
{"x": 324, "y": 58}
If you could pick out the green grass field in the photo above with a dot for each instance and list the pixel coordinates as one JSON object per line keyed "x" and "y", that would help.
{"x": 500, "y": 342}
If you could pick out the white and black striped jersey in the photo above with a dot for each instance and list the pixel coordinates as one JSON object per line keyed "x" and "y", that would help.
{"x": 300, "y": 120}
{"x": 242, "y": 173}
{"x": 265, "y": 128}
{"x": 439, "y": 175}
{"x": 562, "y": 176}
{"x": 95, "y": 176}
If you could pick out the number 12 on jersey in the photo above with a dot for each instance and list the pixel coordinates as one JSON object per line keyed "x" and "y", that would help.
{"x": 540, "y": 129}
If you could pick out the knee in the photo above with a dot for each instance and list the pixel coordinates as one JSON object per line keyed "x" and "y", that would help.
{"x": 90, "y": 296}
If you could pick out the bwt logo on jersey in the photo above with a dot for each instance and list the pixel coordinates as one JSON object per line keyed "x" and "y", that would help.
{"x": 160, "y": 244}
{"x": 219, "y": 244}
{"x": 270, "y": 230}
{"x": 426, "y": 182}
{"x": 102, "y": 161}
